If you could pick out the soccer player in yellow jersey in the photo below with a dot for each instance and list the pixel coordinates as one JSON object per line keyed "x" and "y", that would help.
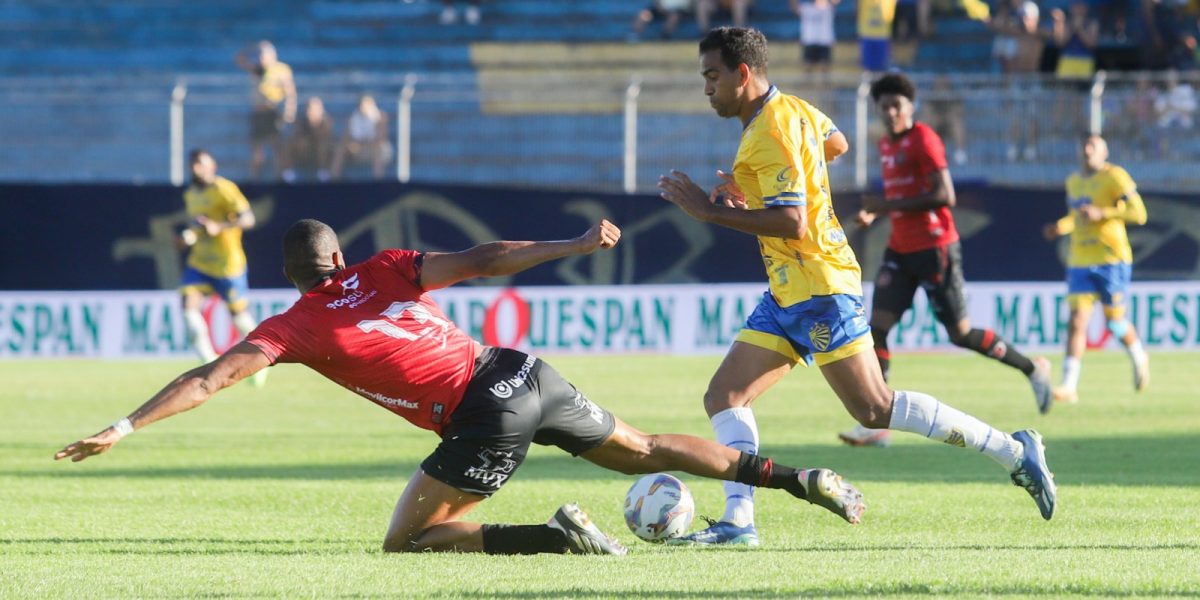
{"x": 1101, "y": 200}
{"x": 216, "y": 263}
{"x": 812, "y": 311}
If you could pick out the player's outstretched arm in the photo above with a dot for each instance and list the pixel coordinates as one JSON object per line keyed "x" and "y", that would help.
{"x": 788, "y": 222}
{"x": 494, "y": 259}
{"x": 835, "y": 146}
{"x": 184, "y": 393}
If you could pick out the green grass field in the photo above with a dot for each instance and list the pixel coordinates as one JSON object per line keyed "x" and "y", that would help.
{"x": 285, "y": 492}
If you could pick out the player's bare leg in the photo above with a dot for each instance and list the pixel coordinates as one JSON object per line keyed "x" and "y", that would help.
{"x": 858, "y": 382}
{"x": 1123, "y": 330}
{"x": 197, "y": 327}
{"x": 632, "y": 452}
{"x": 746, "y": 371}
{"x": 882, "y": 322}
{"x": 1081, "y": 313}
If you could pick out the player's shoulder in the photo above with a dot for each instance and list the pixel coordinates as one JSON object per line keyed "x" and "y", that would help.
{"x": 925, "y": 133}
{"x": 1118, "y": 173}
{"x": 225, "y": 185}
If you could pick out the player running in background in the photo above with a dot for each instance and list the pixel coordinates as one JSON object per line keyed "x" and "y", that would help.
{"x": 924, "y": 249}
{"x": 372, "y": 329}
{"x": 812, "y": 311}
{"x": 216, "y": 263}
{"x": 1101, "y": 199}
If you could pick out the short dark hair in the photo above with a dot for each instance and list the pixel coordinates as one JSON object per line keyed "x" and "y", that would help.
{"x": 738, "y": 45}
{"x": 893, "y": 83}
{"x": 306, "y": 245}
{"x": 196, "y": 154}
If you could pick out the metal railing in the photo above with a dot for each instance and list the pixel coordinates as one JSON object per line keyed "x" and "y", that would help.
{"x": 598, "y": 130}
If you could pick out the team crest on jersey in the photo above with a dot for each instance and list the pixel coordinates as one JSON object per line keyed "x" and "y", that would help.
{"x": 819, "y": 335}
{"x": 350, "y": 284}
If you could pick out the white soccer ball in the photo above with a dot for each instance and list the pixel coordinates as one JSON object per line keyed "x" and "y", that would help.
{"x": 659, "y": 507}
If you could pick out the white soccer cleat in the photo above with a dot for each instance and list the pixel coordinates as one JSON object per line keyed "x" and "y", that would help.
{"x": 863, "y": 436}
{"x": 1043, "y": 390}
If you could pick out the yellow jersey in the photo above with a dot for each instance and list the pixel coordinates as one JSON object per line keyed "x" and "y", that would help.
{"x": 1105, "y": 241}
{"x": 875, "y": 19}
{"x": 273, "y": 85}
{"x": 221, "y": 255}
{"x": 781, "y": 162}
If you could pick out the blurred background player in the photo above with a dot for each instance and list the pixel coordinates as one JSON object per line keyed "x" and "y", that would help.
{"x": 273, "y": 88}
{"x": 1101, "y": 199}
{"x": 812, "y": 311}
{"x": 924, "y": 249}
{"x": 216, "y": 263}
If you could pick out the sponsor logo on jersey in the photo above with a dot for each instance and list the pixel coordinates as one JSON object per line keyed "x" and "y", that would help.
{"x": 382, "y": 399}
{"x": 595, "y": 412}
{"x": 350, "y": 284}
{"x": 819, "y": 335}
{"x": 505, "y": 387}
{"x": 956, "y": 439}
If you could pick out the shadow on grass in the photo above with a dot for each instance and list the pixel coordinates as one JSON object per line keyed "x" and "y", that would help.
{"x": 1147, "y": 460}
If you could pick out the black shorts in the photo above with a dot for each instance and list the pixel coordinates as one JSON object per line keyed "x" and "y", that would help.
{"x": 513, "y": 399}
{"x": 264, "y": 124}
{"x": 814, "y": 54}
{"x": 937, "y": 270}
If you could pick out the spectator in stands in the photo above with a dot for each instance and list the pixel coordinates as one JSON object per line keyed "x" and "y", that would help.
{"x": 1175, "y": 109}
{"x": 943, "y": 111}
{"x": 310, "y": 150}
{"x": 734, "y": 10}
{"x": 1076, "y": 36}
{"x": 875, "y": 33}
{"x": 816, "y": 34}
{"x": 471, "y": 14}
{"x": 1018, "y": 49}
{"x": 365, "y": 139}
{"x": 911, "y": 19}
{"x": 1003, "y": 21}
{"x": 668, "y": 11}
{"x": 1138, "y": 110}
{"x": 273, "y": 88}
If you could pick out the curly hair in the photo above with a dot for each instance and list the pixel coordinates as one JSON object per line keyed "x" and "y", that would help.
{"x": 893, "y": 83}
{"x": 738, "y": 45}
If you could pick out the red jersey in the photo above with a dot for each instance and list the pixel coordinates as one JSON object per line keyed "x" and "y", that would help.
{"x": 373, "y": 330}
{"x": 907, "y": 164}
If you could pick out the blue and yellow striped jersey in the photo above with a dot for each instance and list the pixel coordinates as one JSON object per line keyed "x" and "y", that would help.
{"x": 781, "y": 162}
{"x": 1105, "y": 241}
{"x": 222, "y": 255}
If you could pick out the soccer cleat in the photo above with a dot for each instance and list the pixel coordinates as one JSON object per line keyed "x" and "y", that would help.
{"x": 1034, "y": 474}
{"x": 583, "y": 536}
{"x": 1141, "y": 374}
{"x": 1065, "y": 395}
{"x": 1043, "y": 391}
{"x": 719, "y": 533}
{"x": 828, "y": 490}
{"x": 863, "y": 436}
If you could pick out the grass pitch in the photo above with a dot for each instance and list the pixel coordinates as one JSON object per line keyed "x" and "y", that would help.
{"x": 285, "y": 492}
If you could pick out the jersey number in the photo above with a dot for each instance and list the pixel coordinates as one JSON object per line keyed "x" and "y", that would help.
{"x": 436, "y": 326}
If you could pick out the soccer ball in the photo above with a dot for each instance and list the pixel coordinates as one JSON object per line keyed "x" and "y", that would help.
{"x": 659, "y": 507}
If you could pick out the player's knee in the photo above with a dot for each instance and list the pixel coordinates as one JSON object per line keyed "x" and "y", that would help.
{"x": 399, "y": 544}
{"x": 959, "y": 339}
{"x": 1118, "y": 327}
{"x": 717, "y": 400}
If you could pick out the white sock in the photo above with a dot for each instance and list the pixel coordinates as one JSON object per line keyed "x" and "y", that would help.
{"x": 736, "y": 428}
{"x": 1137, "y": 353}
{"x": 922, "y": 414}
{"x": 244, "y": 322}
{"x": 1071, "y": 367}
{"x": 197, "y": 331}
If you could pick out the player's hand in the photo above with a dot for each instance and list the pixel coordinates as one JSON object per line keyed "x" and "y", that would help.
{"x": 186, "y": 238}
{"x": 678, "y": 189}
{"x": 865, "y": 218}
{"x": 1091, "y": 212}
{"x": 211, "y": 227}
{"x": 603, "y": 235}
{"x": 1050, "y": 232}
{"x": 873, "y": 204}
{"x": 1058, "y": 15}
{"x": 728, "y": 191}
{"x": 97, "y": 444}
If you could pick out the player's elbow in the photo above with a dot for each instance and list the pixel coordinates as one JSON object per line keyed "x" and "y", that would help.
{"x": 796, "y": 226}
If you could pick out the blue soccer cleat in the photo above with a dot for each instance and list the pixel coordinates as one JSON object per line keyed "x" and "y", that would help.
{"x": 719, "y": 533}
{"x": 1034, "y": 474}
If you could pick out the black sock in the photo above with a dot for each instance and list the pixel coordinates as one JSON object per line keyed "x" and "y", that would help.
{"x": 523, "y": 539}
{"x": 763, "y": 472}
{"x": 987, "y": 343}
{"x": 881, "y": 352}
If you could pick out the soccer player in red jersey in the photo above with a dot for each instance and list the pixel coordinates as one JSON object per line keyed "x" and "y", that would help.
{"x": 924, "y": 249}
{"x": 372, "y": 329}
